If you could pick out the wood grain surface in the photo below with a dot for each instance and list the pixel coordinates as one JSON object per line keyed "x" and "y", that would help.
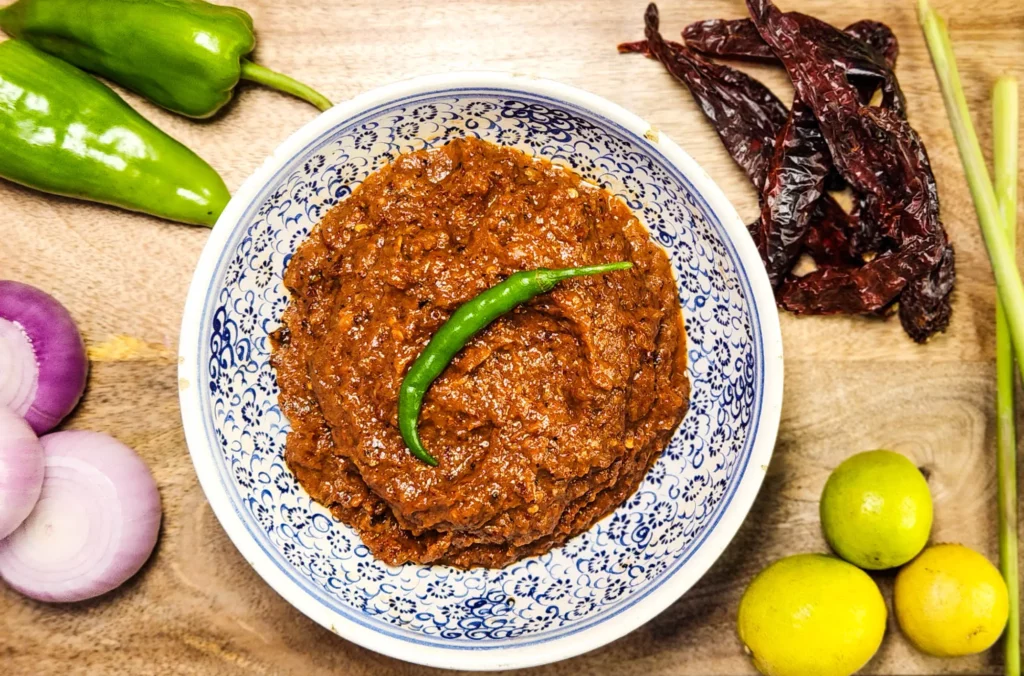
{"x": 851, "y": 384}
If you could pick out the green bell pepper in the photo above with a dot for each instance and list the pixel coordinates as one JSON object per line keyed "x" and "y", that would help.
{"x": 64, "y": 132}
{"x": 184, "y": 55}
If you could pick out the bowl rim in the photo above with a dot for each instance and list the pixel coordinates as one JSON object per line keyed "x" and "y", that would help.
{"x": 589, "y": 638}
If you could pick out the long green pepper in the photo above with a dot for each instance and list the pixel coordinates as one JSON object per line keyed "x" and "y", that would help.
{"x": 184, "y": 55}
{"x": 65, "y": 132}
{"x": 469, "y": 319}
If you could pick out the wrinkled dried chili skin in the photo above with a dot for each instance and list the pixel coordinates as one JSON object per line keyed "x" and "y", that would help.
{"x": 877, "y": 152}
{"x": 785, "y": 170}
{"x": 878, "y": 36}
{"x": 739, "y": 38}
{"x": 746, "y": 115}
{"x": 827, "y": 236}
{"x": 869, "y": 48}
{"x": 925, "y": 304}
{"x": 772, "y": 113}
{"x": 856, "y": 60}
{"x": 787, "y": 217}
{"x": 895, "y": 213}
{"x": 828, "y": 240}
{"x": 909, "y": 219}
{"x": 795, "y": 183}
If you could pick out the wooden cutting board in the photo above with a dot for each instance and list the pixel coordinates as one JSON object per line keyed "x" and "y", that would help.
{"x": 851, "y": 384}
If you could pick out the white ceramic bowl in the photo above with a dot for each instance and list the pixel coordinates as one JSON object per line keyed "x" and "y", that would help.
{"x": 601, "y": 584}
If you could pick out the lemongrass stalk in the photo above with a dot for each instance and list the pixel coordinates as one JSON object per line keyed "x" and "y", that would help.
{"x": 1004, "y": 160}
{"x": 1004, "y": 263}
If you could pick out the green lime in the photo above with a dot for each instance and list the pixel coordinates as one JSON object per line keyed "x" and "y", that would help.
{"x": 876, "y": 510}
{"x": 811, "y": 614}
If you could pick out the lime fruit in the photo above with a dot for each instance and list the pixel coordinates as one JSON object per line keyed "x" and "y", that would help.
{"x": 876, "y": 510}
{"x": 811, "y": 614}
{"x": 951, "y": 601}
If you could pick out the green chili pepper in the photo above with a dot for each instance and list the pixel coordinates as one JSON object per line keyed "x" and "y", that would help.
{"x": 469, "y": 319}
{"x": 63, "y": 131}
{"x": 184, "y": 55}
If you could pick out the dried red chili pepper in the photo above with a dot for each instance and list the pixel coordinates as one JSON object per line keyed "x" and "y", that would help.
{"x": 860, "y": 64}
{"x": 895, "y": 210}
{"x": 925, "y": 305}
{"x": 771, "y": 116}
{"x": 793, "y": 157}
{"x": 878, "y": 36}
{"x": 801, "y": 162}
{"x": 635, "y": 47}
{"x": 840, "y": 238}
{"x": 746, "y": 115}
{"x": 864, "y": 225}
{"x": 878, "y": 153}
{"x": 738, "y": 38}
{"x": 795, "y": 183}
{"x": 828, "y": 241}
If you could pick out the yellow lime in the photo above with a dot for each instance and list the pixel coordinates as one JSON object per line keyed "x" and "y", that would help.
{"x": 876, "y": 510}
{"x": 951, "y": 601}
{"x": 811, "y": 614}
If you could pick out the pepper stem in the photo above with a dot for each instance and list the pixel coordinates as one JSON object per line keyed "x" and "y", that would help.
{"x": 281, "y": 82}
{"x": 568, "y": 273}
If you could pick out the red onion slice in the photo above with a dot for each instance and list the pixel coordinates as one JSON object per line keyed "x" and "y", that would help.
{"x": 43, "y": 365}
{"x": 21, "y": 470}
{"x": 94, "y": 526}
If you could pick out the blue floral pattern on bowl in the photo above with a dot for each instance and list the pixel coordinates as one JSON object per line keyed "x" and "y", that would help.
{"x": 594, "y": 576}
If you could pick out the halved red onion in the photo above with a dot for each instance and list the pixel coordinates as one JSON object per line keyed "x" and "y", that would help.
{"x": 94, "y": 526}
{"x": 21, "y": 470}
{"x": 43, "y": 365}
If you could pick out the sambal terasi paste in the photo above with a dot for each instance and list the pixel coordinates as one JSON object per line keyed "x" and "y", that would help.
{"x": 543, "y": 423}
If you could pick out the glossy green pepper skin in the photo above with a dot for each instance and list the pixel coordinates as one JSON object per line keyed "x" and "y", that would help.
{"x": 184, "y": 55}
{"x": 64, "y": 132}
{"x": 469, "y": 319}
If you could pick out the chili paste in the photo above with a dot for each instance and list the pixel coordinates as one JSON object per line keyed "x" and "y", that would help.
{"x": 544, "y": 423}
